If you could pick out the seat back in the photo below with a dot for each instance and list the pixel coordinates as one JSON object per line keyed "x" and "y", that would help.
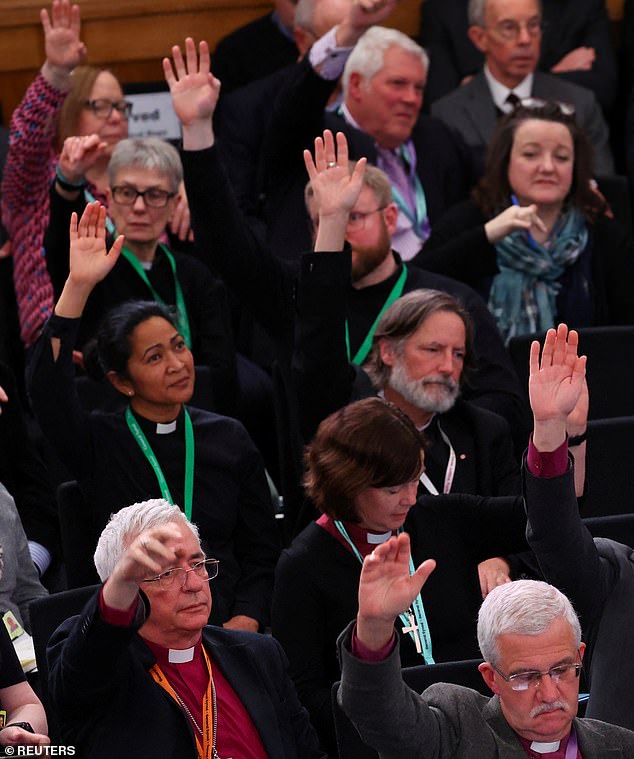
{"x": 610, "y": 352}
{"x": 78, "y": 538}
{"x": 609, "y": 474}
{"x": 46, "y": 615}
{"x": 465, "y": 672}
{"x": 619, "y": 527}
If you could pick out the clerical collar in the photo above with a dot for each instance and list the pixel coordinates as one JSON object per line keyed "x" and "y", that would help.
{"x": 146, "y": 265}
{"x": 545, "y": 748}
{"x": 180, "y": 655}
{"x": 165, "y": 429}
{"x": 375, "y": 539}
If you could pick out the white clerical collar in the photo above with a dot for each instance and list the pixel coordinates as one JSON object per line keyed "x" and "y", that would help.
{"x": 375, "y": 540}
{"x": 180, "y": 655}
{"x": 165, "y": 429}
{"x": 500, "y": 92}
{"x": 545, "y": 748}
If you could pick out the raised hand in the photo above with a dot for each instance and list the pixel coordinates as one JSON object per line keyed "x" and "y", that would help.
{"x": 362, "y": 15}
{"x": 386, "y": 589}
{"x": 90, "y": 260}
{"x": 79, "y": 154}
{"x": 335, "y": 189}
{"x": 64, "y": 48}
{"x": 512, "y": 219}
{"x": 147, "y": 556}
{"x": 554, "y": 385}
{"x": 194, "y": 89}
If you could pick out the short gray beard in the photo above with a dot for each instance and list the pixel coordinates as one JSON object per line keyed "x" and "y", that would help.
{"x": 438, "y": 400}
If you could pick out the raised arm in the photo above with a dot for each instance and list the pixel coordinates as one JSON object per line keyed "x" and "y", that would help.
{"x": 335, "y": 188}
{"x": 195, "y": 91}
{"x": 554, "y": 386}
{"x": 90, "y": 260}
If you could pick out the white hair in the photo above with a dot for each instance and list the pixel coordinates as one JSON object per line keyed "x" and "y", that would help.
{"x": 127, "y": 524}
{"x": 523, "y": 607}
{"x": 367, "y": 55}
{"x": 476, "y": 12}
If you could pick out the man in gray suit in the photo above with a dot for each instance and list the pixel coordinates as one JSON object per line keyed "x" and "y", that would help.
{"x": 528, "y": 633}
{"x": 508, "y": 33}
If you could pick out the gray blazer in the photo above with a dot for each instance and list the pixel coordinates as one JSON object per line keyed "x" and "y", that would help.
{"x": 445, "y": 721}
{"x": 471, "y": 112}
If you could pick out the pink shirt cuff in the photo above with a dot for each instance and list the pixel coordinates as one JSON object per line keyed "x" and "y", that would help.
{"x": 116, "y": 616}
{"x": 366, "y": 654}
{"x": 549, "y": 463}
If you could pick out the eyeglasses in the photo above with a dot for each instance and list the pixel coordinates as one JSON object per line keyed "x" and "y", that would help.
{"x": 102, "y": 107}
{"x": 567, "y": 109}
{"x": 356, "y": 219}
{"x": 154, "y": 197}
{"x": 510, "y": 30}
{"x": 562, "y": 673}
{"x": 207, "y": 570}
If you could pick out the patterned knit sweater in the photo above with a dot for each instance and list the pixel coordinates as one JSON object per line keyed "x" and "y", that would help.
{"x": 29, "y": 171}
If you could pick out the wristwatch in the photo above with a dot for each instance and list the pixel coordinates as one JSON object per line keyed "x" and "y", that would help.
{"x": 24, "y": 725}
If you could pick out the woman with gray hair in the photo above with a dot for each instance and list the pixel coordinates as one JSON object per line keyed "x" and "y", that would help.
{"x": 144, "y": 176}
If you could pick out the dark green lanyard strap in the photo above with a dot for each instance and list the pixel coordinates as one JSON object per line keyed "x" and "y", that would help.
{"x": 363, "y": 351}
{"x": 181, "y": 310}
{"x": 149, "y": 454}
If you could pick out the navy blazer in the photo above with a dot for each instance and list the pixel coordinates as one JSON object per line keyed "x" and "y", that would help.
{"x": 109, "y": 706}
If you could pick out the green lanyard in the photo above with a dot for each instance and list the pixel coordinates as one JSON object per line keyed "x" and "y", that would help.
{"x": 149, "y": 454}
{"x": 363, "y": 351}
{"x": 413, "y": 620}
{"x": 181, "y": 310}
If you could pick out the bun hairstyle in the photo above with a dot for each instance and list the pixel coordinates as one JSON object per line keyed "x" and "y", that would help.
{"x": 110, "y": 349}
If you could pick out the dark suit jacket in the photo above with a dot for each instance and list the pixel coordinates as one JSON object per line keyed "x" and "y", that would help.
{"x": 445, "y": 721}
{"x": 568, "y": 24}
{"x": 109, "y": 706}
{"x": 264, "y": 128}
{"x": 598, "y": 577}
{"x": 470, "y": 110}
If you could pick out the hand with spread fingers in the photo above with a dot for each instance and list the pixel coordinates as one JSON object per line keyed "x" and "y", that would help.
{"x": 63, "y": 45}
{"x": 90, "y": 260}
{"x": 335, "y": 189}
{"x": 386, "y": 589}
{"x": 195, "y": 91}
{"x": 555, "y": 385}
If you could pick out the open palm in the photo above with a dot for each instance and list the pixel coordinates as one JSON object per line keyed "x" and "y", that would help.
{"x": 90, "y": 260}
{"x": 193, "y": 87}
{"x": 62, "y": 42}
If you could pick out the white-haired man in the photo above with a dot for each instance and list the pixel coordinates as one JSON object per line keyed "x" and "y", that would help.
{"x": 530, "y": 639}
{"x": 528, "y": 633}
{"x": 139, "y": 672}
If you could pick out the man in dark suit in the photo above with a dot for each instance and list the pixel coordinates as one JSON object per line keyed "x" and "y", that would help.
{"x": 139, "y": 673}
{"x": 509, "y": 36}
{"x": 257, "y": 49}
{"x": 576, "y": 46}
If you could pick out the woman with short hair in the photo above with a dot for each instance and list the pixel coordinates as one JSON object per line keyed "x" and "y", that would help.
{"x": 363, "y": 469}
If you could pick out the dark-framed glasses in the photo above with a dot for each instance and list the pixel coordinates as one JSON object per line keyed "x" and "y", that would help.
{"x": 206, "y": 570}
{"x": 510, "y": 30}
{"x": 102, "y": 107}
{"x": 154, "y": 197}
{"x": 562, "y": 673}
